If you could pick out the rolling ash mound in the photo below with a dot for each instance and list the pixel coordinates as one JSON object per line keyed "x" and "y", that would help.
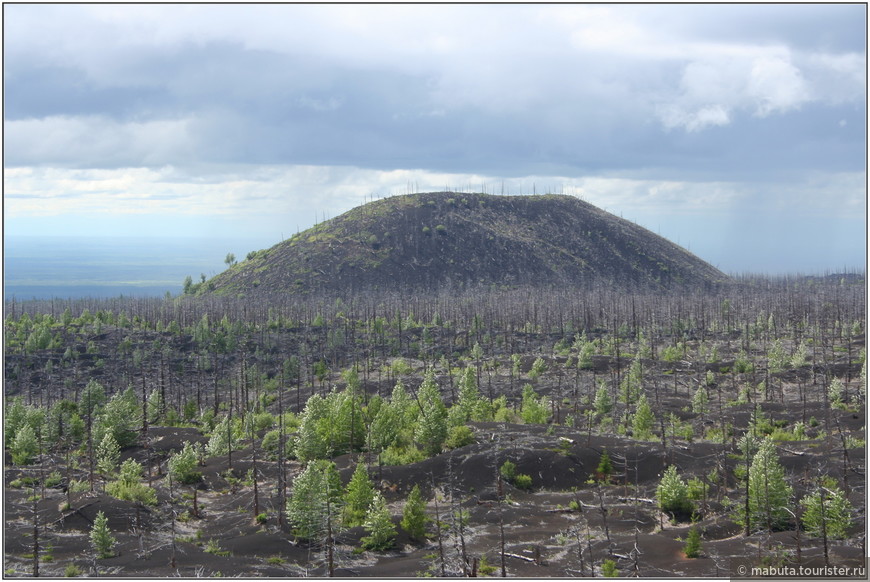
{"x": 459, "y": 241}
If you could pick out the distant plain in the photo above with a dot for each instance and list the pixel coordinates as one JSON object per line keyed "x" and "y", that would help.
{"x": 74, "y": 267}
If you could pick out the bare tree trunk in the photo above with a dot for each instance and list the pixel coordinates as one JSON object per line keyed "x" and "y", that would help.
{"x": 254, "y": 470}
{"x": 35, "y": 533}
{"x": 330, "y": 553}
{"x": 824, "y": 520}
{"x": 603, "y": 509}
{"x": 438, "y": 530}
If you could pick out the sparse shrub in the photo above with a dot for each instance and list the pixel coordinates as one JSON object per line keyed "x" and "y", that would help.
{"x": 761, "y": 423}
{"x": 798, "y": 358}
{"x": 508, "y": 470}
{"x": 539, "y": 366}
{"x": 584, "y": 356}
{"x": 797, "y": 433}
{"x": 72, "y": 571}
{"x": 212, "y": 547}
{"x": 484, "y": 567}
{"x": 459, "y": 436}
{"x": 699, "y": 400}
{"x": 358, "y": 497}
{"x": 853, "y": 442}
{"x": 630, "y": 387}
{"x": 414, "y": 518}
{"x": 603, "y": 402}
{"x": 316, "y": 495}
{"x": 523, "y": 481}
{"x": 671, "y": 354}
{"x": 695, "y": 489}
{"x": 534, "y": 409}
{"x": 23, "y": 482}
{"x": 400, "y": 367}
{"x": 608, "y": 569}
{"x": 25, "y": 446}
{"x": 399, "y": 455}
{"x": 672, "y": 494}
{"x": 605, "y": 467}
{"x": 835, "y": 393}
{"x": 129, "y": 487}
{"x": 776, "y": 357}
{"x": 222, "y": 438}
{"x": 182, "y": 465}
{"x": 431, "y": 429}
{"x": 382, "y": 531}
{"x": 501, "y": 411}
{"x": 769, "y": 492}
{"x": 828, "y": 510}
{"x": 742, "y": 365}
{"x": 516, "y": 360}
{"x": 101, "y": 538}
{"x": 693, "y": 543}
{"x": 271, "y": 443}
{"x": 643, "y": 419}
{"x": 77, "y": 486}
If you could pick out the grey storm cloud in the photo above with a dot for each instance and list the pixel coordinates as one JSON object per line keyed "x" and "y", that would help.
{"x": 528, "y": 96}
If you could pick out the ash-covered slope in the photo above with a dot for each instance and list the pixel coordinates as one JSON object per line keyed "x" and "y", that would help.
{"x": 448, "y": 240}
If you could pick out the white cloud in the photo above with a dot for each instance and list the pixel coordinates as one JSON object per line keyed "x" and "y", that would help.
{"x": 776, "y": 86}
{"x": 674, "y": 116}
{"x": 836, "y": 78}
{"x": 97, "y": 140}
{"x": 714, "y": 89}
{"x": 281, "y": 191}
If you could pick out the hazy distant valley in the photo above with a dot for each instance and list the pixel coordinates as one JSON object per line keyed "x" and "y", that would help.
{"x": 64, "y": 267}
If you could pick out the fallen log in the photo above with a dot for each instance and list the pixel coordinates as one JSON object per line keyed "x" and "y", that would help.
{"x": 641, "y": 499}
{"x": 519, "y": 557}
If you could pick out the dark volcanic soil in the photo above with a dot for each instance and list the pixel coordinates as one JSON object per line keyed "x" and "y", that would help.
{"x": 541, "y": 532}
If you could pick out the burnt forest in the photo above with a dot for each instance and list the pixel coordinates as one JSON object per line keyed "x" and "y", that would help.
{"x": 442, "y": 385}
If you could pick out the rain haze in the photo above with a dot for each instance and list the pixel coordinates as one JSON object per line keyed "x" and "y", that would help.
{"x": 737, "y": 131}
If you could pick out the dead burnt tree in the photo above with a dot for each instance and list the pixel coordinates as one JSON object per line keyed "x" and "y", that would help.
{"x": 254, "y": 469}
{"x": 438, "y": 529}
{"x": 602, "y": 508}
{"x": 282, "y": 443}
{"x": 458, "y": 520}
{"x": 847, "y": 465}
{"x": 37, "y": 495}
{"x": 500, "y": 498}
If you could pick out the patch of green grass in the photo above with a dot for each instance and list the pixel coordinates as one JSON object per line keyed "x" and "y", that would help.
{"x": 484, "y": 567}
{"x": 212, "y": 547}
{"x": 23, "y": 482}
{"x": 72, "y": 571}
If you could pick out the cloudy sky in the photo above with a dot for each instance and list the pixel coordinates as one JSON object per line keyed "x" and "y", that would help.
{"x": 737, "y": 131}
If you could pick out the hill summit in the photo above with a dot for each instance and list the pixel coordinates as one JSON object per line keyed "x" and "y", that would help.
{"x": 448, "y": 240}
